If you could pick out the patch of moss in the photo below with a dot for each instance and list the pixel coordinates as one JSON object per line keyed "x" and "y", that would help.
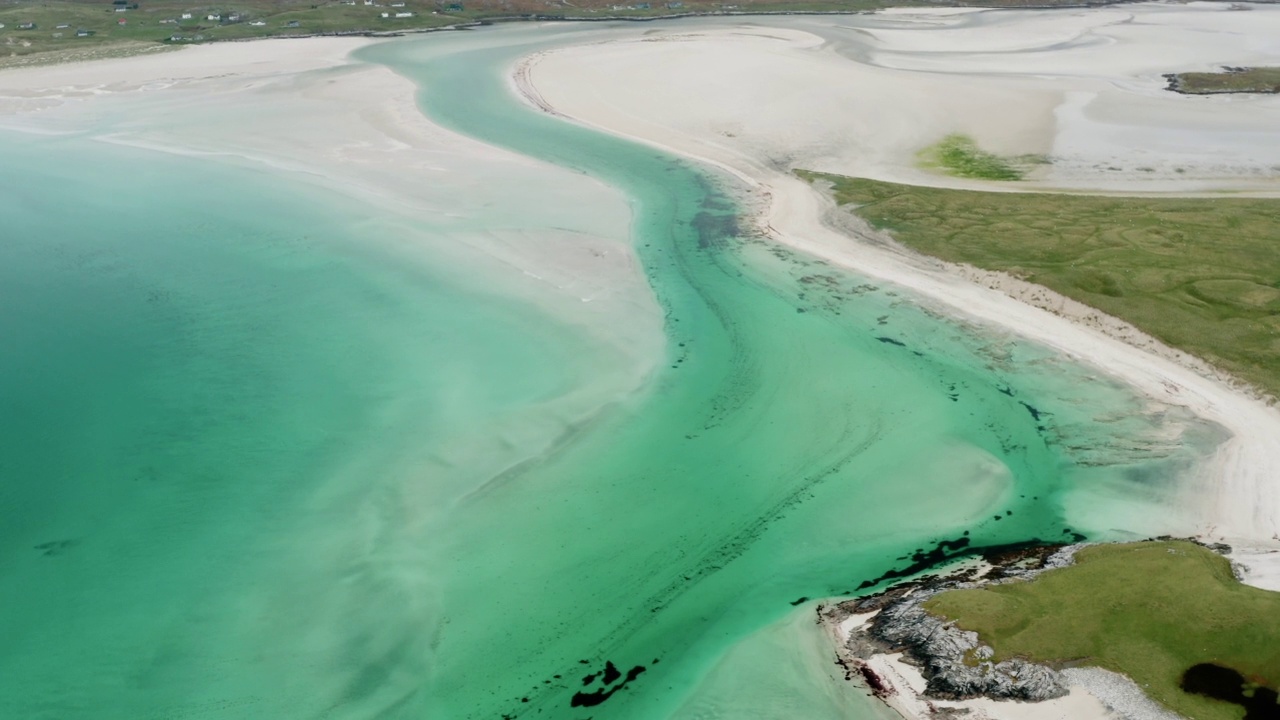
{"x": 960, "y": 156}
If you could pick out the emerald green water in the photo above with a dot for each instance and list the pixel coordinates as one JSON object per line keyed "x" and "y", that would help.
{"x": 222, "y": 482}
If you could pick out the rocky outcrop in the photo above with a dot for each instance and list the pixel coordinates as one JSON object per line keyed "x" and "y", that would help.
{"x": 954, "y": 662}
{"x": 956, "y": 665}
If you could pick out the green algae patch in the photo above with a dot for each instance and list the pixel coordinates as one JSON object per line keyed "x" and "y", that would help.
{"x": 1149, "y": 610}
{"x": 960, "y": 156}
{"x": 1200, "y": 274}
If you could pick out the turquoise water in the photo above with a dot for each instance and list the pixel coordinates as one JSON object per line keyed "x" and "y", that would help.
{"x": 226, "y": 397}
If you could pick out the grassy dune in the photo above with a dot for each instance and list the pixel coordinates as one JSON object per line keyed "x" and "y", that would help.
{"x": 1148, "y": 610}
{"x": 1202, "y": 275}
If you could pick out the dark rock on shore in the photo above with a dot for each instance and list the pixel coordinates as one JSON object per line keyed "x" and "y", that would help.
{"x": 955, "y": 664}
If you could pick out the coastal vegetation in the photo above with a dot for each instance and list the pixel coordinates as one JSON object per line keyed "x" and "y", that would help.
{"x": 63, "y": 30}
{"x": 1149, "y": 610}
{"x": 1231, "y": 80}
{"x": 1200, "y": 274}
{"x": 960, "y": 156}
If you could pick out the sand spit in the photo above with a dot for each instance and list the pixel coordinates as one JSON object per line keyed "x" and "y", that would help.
{"x": 862, "y": 95}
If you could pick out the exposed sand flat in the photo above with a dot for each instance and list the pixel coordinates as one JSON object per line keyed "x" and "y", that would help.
{"x": 762, "y": 98}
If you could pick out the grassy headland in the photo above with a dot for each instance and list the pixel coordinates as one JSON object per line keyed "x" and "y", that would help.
{"x": 1148, "y": 610}
{"x": 1202, "y": 275}
{"x": 1231, "y": 80}
{"x": 58, "y": 24}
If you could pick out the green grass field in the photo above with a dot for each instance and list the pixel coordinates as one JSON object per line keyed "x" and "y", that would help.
{"x": 1243, "y": 80}
{"x": 1149, "y": 610}
{"x": 1202, "y": 275}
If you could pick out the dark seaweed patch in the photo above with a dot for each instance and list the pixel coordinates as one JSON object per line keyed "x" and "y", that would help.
{"x": 54, "y": 547}
{"x": 714, "y": 229}
{"x": 891, "y": 341}
{"x": 946, "y": 551}
{"x": 1036, "y": 413}
{"x": 799, "y": 601}
{"x": 610, "y": 676}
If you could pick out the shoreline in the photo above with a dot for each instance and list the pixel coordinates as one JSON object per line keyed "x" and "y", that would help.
{"x": 918, "y": 665}
{"x": 1232, "y": 496}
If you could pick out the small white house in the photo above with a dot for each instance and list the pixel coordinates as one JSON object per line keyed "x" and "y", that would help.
{"x": 186, "y": 16}
{"x": 258, "y": 23}
{"x": 397, "y": 4}
{"x": 214, "y": 16}
{"x": 404, "y": 15}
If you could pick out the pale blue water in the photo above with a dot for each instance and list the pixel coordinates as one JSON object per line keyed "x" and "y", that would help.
{"x": 226, "y": 397}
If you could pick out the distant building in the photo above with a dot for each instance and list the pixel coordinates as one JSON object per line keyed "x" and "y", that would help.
{"x": 233, "y": 17}
{"x": 27, "y": 26}
{"x": 186, "y": 16}
{"x": 404, "y": 14}
{"x": 84, "y": 33}
{"x": 258, "y": 23}
{"x": 397, "y": 4}
{"x": 675, "y": 5}
{"x": 64, "y": 26}
{"x": 213, "y": 16}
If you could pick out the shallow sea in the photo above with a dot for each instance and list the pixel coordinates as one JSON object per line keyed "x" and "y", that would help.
{"x": 225, "y": 396}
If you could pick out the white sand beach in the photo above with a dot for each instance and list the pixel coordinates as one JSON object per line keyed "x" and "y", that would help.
{"x": 862, "y": 95}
